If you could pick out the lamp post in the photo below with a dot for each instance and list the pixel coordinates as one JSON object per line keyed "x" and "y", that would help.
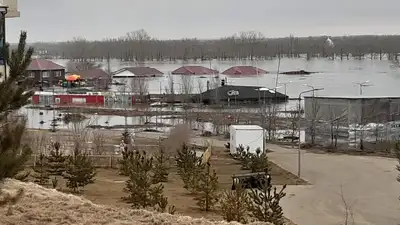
{"x": 299, "y": 129}
{"x": 362, "y": 84}
{"x": 312, "y": 87}
{"x": 3, "y": 54}
{"x": 285, "y": 88}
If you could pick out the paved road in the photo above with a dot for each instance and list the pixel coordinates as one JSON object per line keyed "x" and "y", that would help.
{"x": 368, "y": 184}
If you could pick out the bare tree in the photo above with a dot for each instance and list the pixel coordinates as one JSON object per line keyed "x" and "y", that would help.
{"x": 75, "y": 67}
{"x": 80, "y": 135}
{"x": 200, "y": 88}
{"x": 294, "y": 117}
{"x": 336, "y": 120}
{"x": 313, "y": 120}
{"x": 187, "y": 86}
{"x": 38, "y": 141}
{"x": 98, "y": 140}
{"x": 139, "y": 45}
{"x": 270, "y": 117}
{"x": 140, "y": 39}
{"x": 140, "y": 86}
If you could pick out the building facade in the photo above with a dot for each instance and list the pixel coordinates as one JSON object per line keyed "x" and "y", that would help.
{"x": 351, "y": 120}
{"x": 45, "y": 73}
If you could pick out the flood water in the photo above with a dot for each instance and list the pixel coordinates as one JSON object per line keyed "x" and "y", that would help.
{"x": 336, "y": 77}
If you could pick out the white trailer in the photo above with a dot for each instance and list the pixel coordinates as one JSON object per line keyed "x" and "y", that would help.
{"x": 246, "y": 135}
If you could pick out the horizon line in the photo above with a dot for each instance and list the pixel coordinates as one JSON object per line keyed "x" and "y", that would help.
{"x": 213, "y": 39}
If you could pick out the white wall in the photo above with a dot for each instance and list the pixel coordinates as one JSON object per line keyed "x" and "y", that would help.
{"x": 12, "y": 8}
{"x": 124, "y": 73}
{"x": 251, "y": 138}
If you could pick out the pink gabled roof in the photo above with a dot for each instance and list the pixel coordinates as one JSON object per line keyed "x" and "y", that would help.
{"x": 194, "y": 70}
{"x": 44, "y": 64}
{"x": 244, "y": 71}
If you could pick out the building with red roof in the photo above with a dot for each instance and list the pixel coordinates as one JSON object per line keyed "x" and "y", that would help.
{"x": 43, "y": 72}
{"x": 244, "y": 71}
{"x": 143, "y": 71}
{"x": 194, "y": 70}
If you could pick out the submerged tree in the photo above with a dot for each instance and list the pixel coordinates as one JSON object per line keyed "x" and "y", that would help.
{"x": 13, "y": 95}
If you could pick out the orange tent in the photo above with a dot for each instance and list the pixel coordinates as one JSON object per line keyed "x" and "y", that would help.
{"x": 73, "y": 77}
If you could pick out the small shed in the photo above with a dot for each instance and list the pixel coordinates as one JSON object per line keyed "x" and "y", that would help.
{"x": 194, "y": 70}
{"x": 130, "y": 72}
{"x": 251, "y": 136}
{"x": 244, "y": 71}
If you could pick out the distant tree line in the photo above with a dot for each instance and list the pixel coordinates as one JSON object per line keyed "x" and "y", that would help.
{"x": 140, "y": 46}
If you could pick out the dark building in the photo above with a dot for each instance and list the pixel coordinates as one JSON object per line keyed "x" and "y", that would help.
{"x": 244, "y": 71}
{"x": 43, "y": 72}
{"x": 194, "y": 70}
{"x": 96, "y": 78}
{"x": 239, "y": 95}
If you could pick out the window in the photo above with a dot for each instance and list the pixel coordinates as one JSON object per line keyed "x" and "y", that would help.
{"x": 31, "y": 74}
{"x": 57, "y": 73}
{"x": 45, "y": 74}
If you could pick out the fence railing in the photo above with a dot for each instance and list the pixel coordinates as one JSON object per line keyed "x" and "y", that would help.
{"x": 99, "y": 161}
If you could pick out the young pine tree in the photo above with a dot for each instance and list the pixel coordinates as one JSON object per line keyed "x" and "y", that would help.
{"x": 259, "y": 162}
{"x": 207, "y": 189}
{"x": 160, "y": 167}
{"x": 79, "y": 171}
{"x": 56, "y": 160}
{"x": 125, "y": 161}
{"x": 142, "y": 192}
{"x": 189, "y": 167}
{"x": 40, "y": 169}
{"x": 13, "y": 154}
{"x": 264, "y": 202}
{"x": 234, "y": 205}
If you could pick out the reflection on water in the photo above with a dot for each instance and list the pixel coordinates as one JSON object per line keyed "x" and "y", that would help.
{"x": 34, "y": 120}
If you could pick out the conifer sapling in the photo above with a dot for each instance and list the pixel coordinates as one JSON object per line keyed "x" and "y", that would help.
{"x": 40, "y": 169}
{"x": 79, "y": 171}
{"x": 207, "y": 189}
{"x": 234, "y": 204}
{"x": 160, "y": 168}
{"x": 264, "y": 202}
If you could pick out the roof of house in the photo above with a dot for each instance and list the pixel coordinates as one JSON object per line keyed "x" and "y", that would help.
{"x": 44, "y": 64}
{"x": 246, "y": 127}
{"x": 244, "y": 71}
{"x": 242, "y": 93}
{"x": 194, "y": 70}
{"x": 96, "y": 73}
{"x": 143, "y": 71}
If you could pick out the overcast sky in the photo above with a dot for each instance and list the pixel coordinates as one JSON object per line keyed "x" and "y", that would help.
{"x": 59, "y": 20}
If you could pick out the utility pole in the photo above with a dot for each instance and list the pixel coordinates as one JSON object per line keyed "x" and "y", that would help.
{"x": 299, "y": 129}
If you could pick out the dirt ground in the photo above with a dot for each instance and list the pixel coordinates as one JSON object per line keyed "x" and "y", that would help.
{"x": 109, "y": 185}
